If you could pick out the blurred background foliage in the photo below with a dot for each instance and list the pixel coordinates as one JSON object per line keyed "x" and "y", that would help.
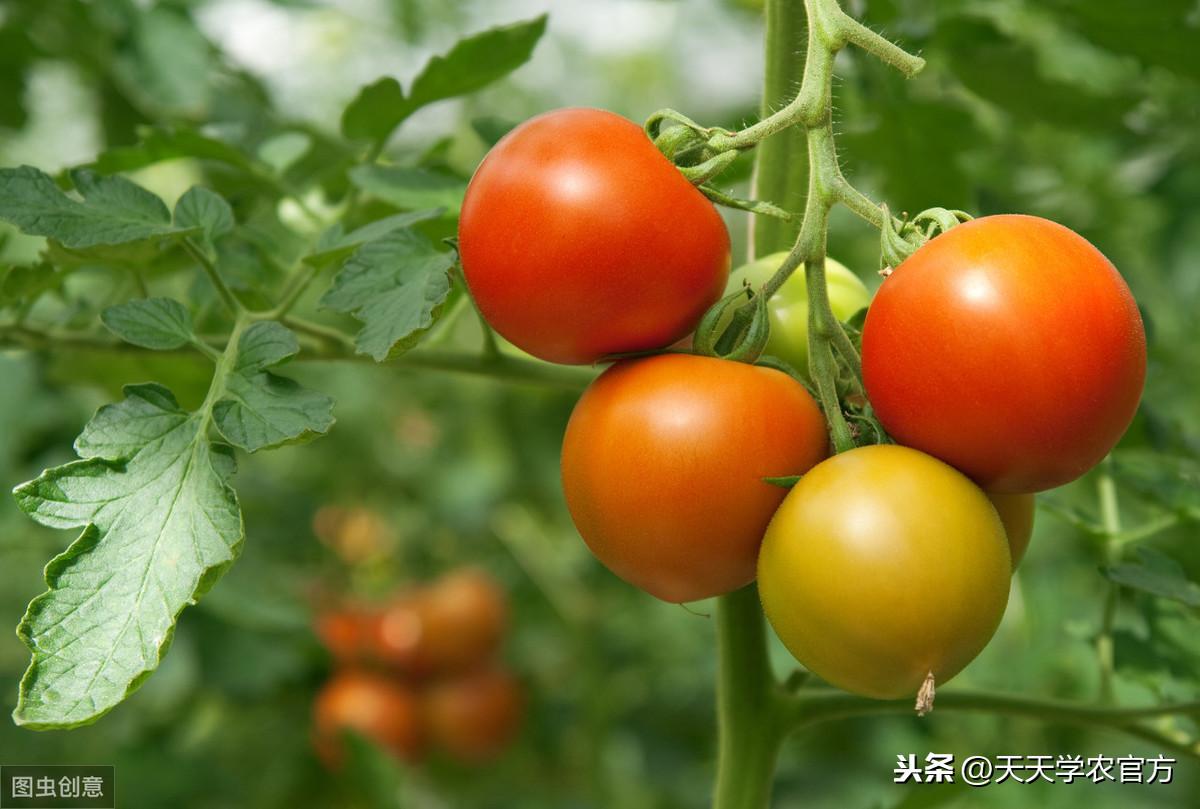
{"x": 1083, "y": 111}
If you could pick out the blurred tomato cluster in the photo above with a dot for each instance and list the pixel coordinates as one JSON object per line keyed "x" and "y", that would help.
{"x": 419, "y": 671}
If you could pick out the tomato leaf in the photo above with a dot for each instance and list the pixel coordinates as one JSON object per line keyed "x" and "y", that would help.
{"x": 396, "y": 286}
{"x": 113, "y": 210}
{"x": 170, "y": 65}
{"x": 159, "y": 323}
{"x": 1157, "y": 574}
{"x": 260, "y": 409}
{"x": 474, "y": 62}
{"x": 378, "y": 109}
{"x": 1171, "y": 481}
{"x": 336, "y": 245}
{"x": 161, "y": 144}
{"x": 161, "y": 524}
{"x": 410, "y": 188}
{"x": 206, "y": 211}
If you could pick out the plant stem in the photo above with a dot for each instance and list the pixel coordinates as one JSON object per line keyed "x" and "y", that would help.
{"x": 1110, "y": 521}
{"x": 227, "y": 297}
{"x": 781, "y": 163}
{"x": 808, "y": 707}
{"x": 747, "y": 705}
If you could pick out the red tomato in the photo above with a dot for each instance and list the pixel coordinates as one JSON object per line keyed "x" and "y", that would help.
{"x": 663, "y": 464}
{"x": 473, "y": 716}
{"x": 456, "y": 623}
{"x": 379, "y": 708}
{"x": 579, "y": 239}
{"x": 1010, "y": 348}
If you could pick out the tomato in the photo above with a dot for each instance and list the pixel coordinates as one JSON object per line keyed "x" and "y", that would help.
{"x": 1010, "y": 348}
{"x": 1016, "y": 513}
{"x": 355, "y": 534}
{"x": 455, "y": 623}
{"x": 788, "y": 308}
{"x": 663, "y": 464}
{"x": 884, "y": 565}
{"x": 345, "y": 632}
{"x": 382, "y": 710}
{"x": 473, "y": 716}
{"x": 579, "y": 239}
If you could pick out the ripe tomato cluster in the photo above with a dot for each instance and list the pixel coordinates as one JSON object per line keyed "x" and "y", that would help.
{"x": 1004, "y": 357}
{"x": 420, "y": 672}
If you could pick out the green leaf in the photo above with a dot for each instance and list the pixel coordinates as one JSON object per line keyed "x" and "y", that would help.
{"x": 410, "y": 188}
{"x": 476, "y": 62}
{"x": 170, "y": 64}
{"x": 1005, "y": 72}
{"x": 157, "y": 145}
{"x": 336, "y": 245}
{"x": 160, "y": 526}
{"x": 1171, "y": 481}
{"x": 113, "y": 210}
{"x": 206, "y": 211}
{"x": 473, "y": 63}
{"x": 784, "y": 482}
{"x": 1161, "y": 33}
{"x": 375, "y": 111}
{"x": 396, "y": 286}
{"x": 261, "y": 410}
{"x": 159, "y": 323}
{"x": 1157, "y": 574}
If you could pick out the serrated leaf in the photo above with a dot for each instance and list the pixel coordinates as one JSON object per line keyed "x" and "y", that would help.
{"x": 395, "y": 286}
{"x": 410, "y": 188}
{"x": 159, "y": 323}
{"x": 335, "y": 245}
{"x": 200, "y": 208}
{"x": 160, "y": 525}
{"x": 375, "y": 111}
{"x": 474, "y": 62}
{"x": 1157, "y": 574}
{"x": 161, "y": 144}
{"x": 260, "y": 409}
{"x": 113, "y": 211}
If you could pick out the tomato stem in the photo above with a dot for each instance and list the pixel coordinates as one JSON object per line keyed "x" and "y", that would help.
{"x": 748, "y": 701}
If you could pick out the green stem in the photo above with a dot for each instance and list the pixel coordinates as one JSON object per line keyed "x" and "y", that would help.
{"x": 748, "y": 702}
{"x": 227, "y": 297}
{"x": 1110, "y": 522}
{"x": 781, "y": 163}
{"x": 808, "y": 707}
{"x": 296, "y": 285}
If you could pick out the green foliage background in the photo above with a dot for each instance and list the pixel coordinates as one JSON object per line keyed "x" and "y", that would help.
{"x": 1083, "y": 111}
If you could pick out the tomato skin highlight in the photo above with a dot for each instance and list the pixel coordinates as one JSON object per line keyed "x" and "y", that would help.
{"x": 884, "y": 564}
{"x": 1010, "y": 348}
{"x": 663, "y": 464}
{"x": 579, "y": 239}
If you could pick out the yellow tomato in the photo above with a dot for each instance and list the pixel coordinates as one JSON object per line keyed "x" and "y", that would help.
{"x": 884, "y": 565}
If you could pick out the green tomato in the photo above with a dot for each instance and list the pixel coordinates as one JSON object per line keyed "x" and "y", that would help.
{"x": 788, "y": 308}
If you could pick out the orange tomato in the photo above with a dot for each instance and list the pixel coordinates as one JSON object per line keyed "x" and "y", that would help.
{"x": 663, "y": 464}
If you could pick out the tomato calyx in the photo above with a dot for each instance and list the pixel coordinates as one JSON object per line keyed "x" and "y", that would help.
{"x": 899, "y": 241}
{"x": 744, "y": 339}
